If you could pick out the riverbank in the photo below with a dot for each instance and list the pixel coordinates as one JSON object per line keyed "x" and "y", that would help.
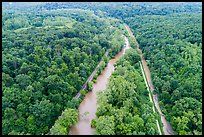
{"x": 89, "y": 103}
{"x": 167, "y": 129}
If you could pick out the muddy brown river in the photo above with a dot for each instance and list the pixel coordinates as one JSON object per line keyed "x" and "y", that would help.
{"x": 83, "y": 127}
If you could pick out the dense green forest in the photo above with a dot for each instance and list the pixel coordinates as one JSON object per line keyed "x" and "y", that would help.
{"x": 124, "y": 107}
{"x": 50, "y": 49}
{"x": 174, "y": 51}
{"x": 47, "y": 57}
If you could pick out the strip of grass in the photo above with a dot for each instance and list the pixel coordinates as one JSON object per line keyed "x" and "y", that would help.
{"x": 157, "y": 112}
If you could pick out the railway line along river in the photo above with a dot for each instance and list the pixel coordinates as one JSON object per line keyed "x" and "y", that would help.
{"x": 83, "y": 127}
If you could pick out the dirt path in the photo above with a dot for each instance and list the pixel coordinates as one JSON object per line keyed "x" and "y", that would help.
{"x": 90, "y": 77}
{"x": 166, "y": 125}
{"x": 150, "y": 98}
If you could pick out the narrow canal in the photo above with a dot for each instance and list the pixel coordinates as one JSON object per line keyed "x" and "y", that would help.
{"x": 83, "y": 127}
{"x": 166, "y": 125}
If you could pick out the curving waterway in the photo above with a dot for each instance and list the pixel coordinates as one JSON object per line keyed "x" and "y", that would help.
{"x": 83, "y": 127}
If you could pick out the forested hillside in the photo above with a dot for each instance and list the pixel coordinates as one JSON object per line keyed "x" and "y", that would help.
{"x": 50, "y": 49}
{"x": 123, "y": 10}
{"x": 47, "y": 57}
{"x": 173, "y": 46}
